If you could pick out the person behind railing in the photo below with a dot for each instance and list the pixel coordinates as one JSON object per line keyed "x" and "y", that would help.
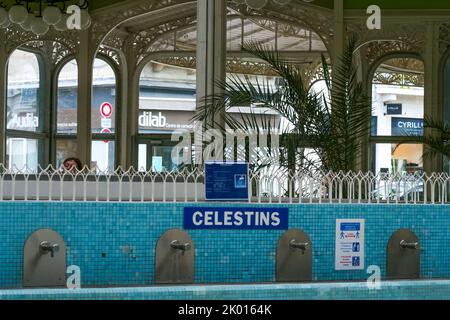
{"x": 72, "y": 165}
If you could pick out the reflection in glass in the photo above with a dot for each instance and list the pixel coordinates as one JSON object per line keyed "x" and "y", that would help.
{"x": 398, "y": 158}
{"x": 103, "y": 155}
{"x": 398, "y": 98}
{"x": 104, "y": 91}
{"x": 67, "y": 99}
{"x": 65, "y": 148}
{"x": 22, "y": 154}
{"x": 23, "y": 108}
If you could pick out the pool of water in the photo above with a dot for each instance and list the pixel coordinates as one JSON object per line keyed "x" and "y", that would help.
{"x": 392, "y": 290}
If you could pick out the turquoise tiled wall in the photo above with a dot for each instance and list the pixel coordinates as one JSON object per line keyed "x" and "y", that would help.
{"x": 399, "y": 290}
{"x": 114, "y": 243}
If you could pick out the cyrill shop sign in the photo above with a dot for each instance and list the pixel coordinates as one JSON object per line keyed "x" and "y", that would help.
{"x": 407, "y": 127}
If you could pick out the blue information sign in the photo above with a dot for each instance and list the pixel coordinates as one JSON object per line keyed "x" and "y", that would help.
{"x": 354, "y": 226}
{"x": 236, "y": 218}
{"x": 407, "y": 127}
{"x": 226, "y": 181}
{"x": 394, "y": 109}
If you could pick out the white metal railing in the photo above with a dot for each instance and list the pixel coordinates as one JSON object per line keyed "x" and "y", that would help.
{"x": 132, "y": 185}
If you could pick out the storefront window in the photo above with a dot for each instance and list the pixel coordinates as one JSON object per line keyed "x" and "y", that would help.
{"x": 398, "y": 98}
{"x": 26, "y": 120}
{"x": 22, "y": 154}
{"x": 65, "y": 148}
{"x": 398, "y": 112}
{"x": 398, "y": 158}
{"x": 103, "y": 153}
{"x": 103, "y": 116}
{"x": 167, "y": 99}
{"x": 103, "y": 98}
{"x": 24, "y": 108}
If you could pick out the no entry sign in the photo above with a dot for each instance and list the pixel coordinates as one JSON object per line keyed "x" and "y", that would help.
{"x": 106, "y": 109}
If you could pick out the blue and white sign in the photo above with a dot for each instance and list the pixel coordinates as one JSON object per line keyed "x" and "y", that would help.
{"x": 394, "y": 109}
{"x": 236, "y": 218}
{"x": 349, "y": 244}
{"x": 407, "y": 127}
{"x": 226, "y": 181}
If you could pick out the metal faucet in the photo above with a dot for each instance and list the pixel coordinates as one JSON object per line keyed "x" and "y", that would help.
{"x": 47, "y": 247}
{"x": 409, "y": 245}
{"x": 177, "y": 245}
{"x": 293, "y": 244}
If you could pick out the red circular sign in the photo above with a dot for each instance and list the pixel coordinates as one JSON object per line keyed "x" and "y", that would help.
{"x": 106, "y": 131}
{"x": 106, "y": 109}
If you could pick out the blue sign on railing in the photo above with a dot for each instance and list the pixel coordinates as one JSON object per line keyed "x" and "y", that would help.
{"x": 236, "y": 218}
{"x": 407, "y": 127}
{"x": 226, "y": 181}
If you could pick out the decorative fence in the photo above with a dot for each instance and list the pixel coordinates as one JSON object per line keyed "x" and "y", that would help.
{"x": 132, "y": 185}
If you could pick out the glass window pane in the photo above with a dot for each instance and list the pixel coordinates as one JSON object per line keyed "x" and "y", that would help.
{"x": 23, "y": 111}
{"x": 67, "y": 99}
{"x": 398, "y": 98}
{"x": 103, "y": 94}
{"x": 162, "y": 159}
{"x": 22, "y": 154}
{"x": 167, "y": 98}
{"x": 103, "y": 155}
{"x": 65, "y": 148}
{"x": 142, "y": 158}
{"x": 398, "y": 158}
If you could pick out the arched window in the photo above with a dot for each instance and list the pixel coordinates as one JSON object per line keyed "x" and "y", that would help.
{"x": 447, "y": 106}
{"x": 66, "y": 112}
{"x": 398, "y": 114}
{"x": 168, "y": 83}
{"x": 167, "y": 102}
{"x": 27, "y": 125}
{"x": 103, "y": 115}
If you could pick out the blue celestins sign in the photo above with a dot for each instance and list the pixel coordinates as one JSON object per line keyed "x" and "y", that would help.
{"x": 236, "y": 218}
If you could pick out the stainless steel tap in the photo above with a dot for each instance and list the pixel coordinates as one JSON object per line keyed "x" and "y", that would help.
{"x": 409, "y": 245}
{"x": 177, "y": 245}
{"x": 293, "y": 244}
{"x": 46, "y": 247}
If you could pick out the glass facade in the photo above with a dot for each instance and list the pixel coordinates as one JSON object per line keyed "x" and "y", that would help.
{"x": 67, "y": 101}
{"x": 23, "y": 154}
{"x": 397, "y": 113}
{"x": 24, "y": 111}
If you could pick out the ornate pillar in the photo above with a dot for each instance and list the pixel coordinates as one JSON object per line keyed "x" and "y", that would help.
{"x": 211, "y": 46}
{"x": 3, "y": 76}
{"x": 339, "y": 31}
{"x": 122, "y": 129}
{"x": 85, "y": 75}
{"x": 131, "y": 97}
{"x": 432, "y": 99}
{"x": 363, "y": 76}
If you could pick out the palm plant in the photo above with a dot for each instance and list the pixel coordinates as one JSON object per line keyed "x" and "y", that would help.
{"x": 438, "y": 143}
{"x": 329, "y": 125}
